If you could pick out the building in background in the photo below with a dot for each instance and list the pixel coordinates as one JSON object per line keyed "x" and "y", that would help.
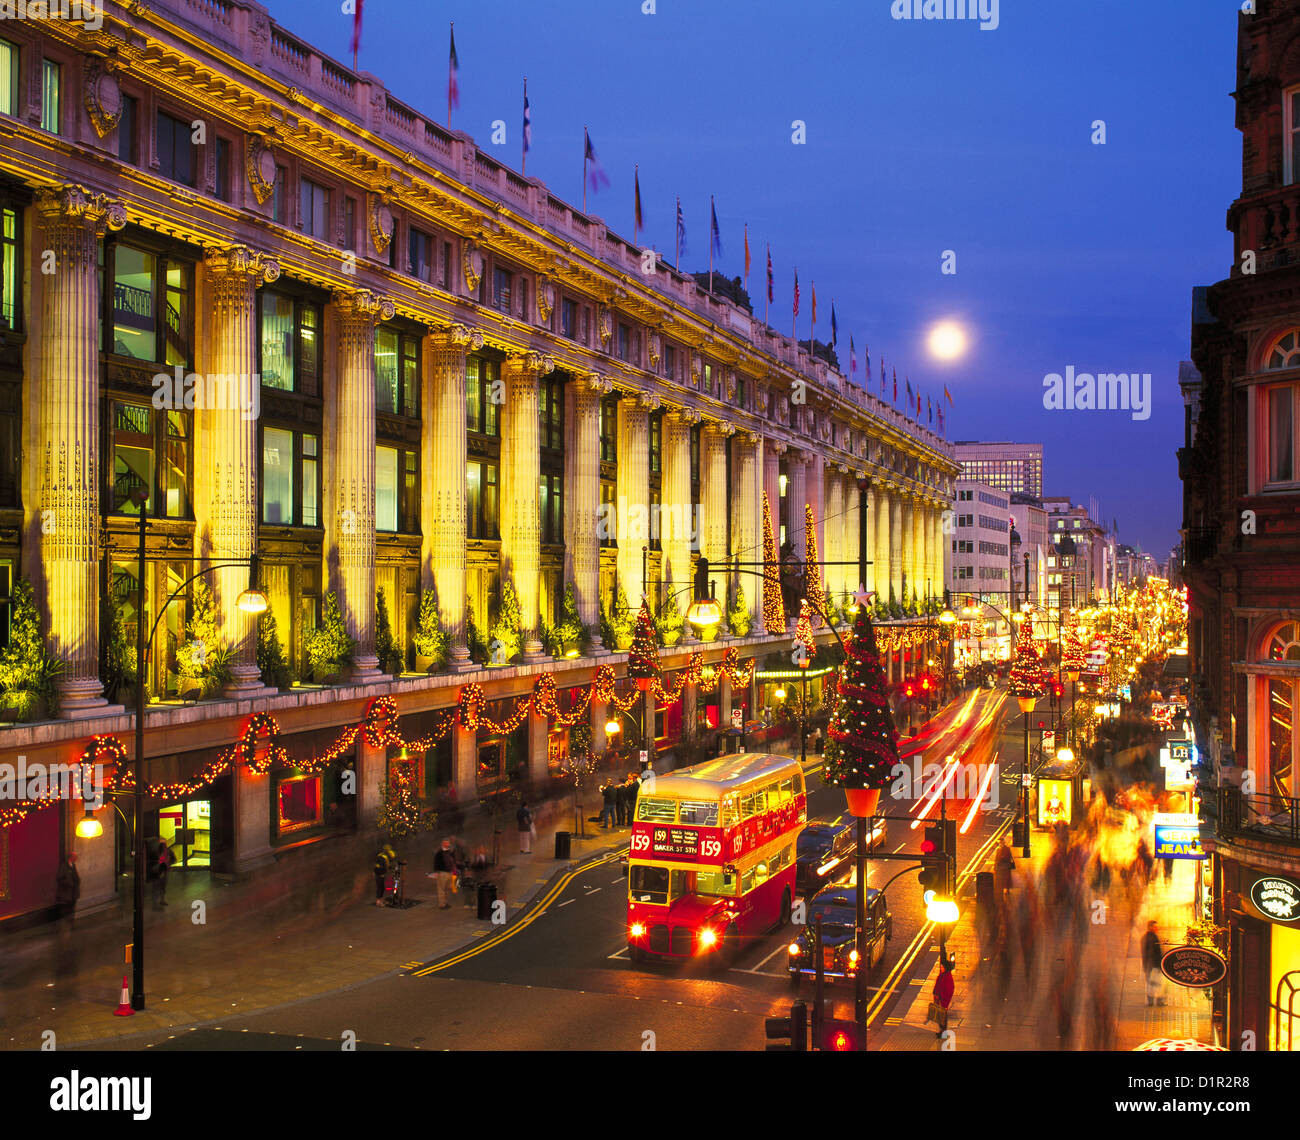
{"x": 980, "y": 559}
{"x": 1029, "y": 520}
{"x": 1081, "y": 567}
{"x": 1010, "y": 467}
{"x": 1240, "y": 467}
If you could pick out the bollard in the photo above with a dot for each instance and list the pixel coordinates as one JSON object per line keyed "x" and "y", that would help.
{"x": 487, "y": 895}
{"x": 563, "y": 844}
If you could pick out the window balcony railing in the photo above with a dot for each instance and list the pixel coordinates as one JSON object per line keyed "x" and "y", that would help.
{"x": 1262, "y": 816}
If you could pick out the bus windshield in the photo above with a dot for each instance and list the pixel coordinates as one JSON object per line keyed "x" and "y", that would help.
{"x": 715, "y": 883}
{"x": 656, "y": 885}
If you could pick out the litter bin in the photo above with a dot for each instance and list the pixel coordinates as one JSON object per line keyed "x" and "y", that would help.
{"x": 562, "y": 844}
{"x": 487, "y": 895}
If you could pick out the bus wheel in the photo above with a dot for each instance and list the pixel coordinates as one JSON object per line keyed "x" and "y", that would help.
{"x": 785, "y": 909}
{"x": 729, "y": 951}
{"x": 636, "y": 953}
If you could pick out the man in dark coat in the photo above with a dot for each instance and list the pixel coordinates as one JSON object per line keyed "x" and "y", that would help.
{"x": 1152, "y": 952}
{"x": 68, "y": 886}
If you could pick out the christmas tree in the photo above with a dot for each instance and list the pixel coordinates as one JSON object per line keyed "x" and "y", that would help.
{"x": 27, "y": 671}
{"x": 508, "y": 626}
{"x": 1026, "y": 669}
{"x": 813, "y": 573}
{"x": 862, "y": 746}
{"x": 803, "y": 635}
{"x": 430, "y": 638}
{"x": 773, "y": 607}
{"x": 738, "y": 618}
{"x": 270, "y": 653}
{"x": 670, "y": 623}
{"x": 643, "y": 658}
{"x": 1075, "y": 655}
{"x": 390, "y": 659}
{"x": 401, "y": 814}
{"x": 201, "y": 660}
{"x": 329, "y": 646}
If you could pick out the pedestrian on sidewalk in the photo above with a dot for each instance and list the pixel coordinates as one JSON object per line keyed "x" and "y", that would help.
{"x": 621, "y": 808}
{"x": 527, "y": 830}
{"x": 383, "y": 864}
{"x": 1152, "y": 952}
{"x": 944, "y": 988}
{"x": 161, "y": 861}
{"x": 67, "y": 888}
{"x": 445, "y": 869}
{"x": 609, "y": 800}
{"x": 1145, "y": 860}
{"x": 1102, "y": 1022}
{"x": 1027, "y": 924}
{"x": 1003, "y": 865}
{"x": 1168, "y": 869}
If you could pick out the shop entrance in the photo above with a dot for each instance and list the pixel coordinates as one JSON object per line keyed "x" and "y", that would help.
{"x": 186, "y": 828}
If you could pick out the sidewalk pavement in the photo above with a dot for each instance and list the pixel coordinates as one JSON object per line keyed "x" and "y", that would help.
{"x": 1031, "y": 1016}
{"x": 304, "y": 927}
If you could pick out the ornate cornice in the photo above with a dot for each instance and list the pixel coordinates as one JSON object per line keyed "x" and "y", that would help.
{"x": 457, "y": 335}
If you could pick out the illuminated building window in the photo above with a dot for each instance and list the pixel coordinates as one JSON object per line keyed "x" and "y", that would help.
{"x": 289, "y": 343}
{"x": 51, "y": 96}
{"x": 552, "y": 508}
{"x": 145, "y": 284}
{"x": 1279, "y": 434}
{"x": 314, "y": 209}
{"x": 150, "y": 451}
{"x": 551, "y": 408}
{"x": 222, "y": 188}
{"x": 8, "y": 78}
{"x": 482, "y": 518}
{"x": 10, "y": 260}
{"x": 298, "y": 803}
{"x": 420, "y": 252}
{"x": 397, "y": 373}
{"x": 397, "y": 481}
{"x": 609, "y": 430}
{"x": 502, "y": 289}
{"x": 290, "y": 477}
{"x": 483, "y": 396}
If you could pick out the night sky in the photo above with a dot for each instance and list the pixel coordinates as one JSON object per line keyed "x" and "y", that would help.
{"x": 922, "y": 136}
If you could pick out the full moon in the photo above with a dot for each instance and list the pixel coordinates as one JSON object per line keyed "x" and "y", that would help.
{"x": 947, "y": 340}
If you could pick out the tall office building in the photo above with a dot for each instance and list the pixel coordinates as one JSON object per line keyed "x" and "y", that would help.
{"x": 1011, "y": 467}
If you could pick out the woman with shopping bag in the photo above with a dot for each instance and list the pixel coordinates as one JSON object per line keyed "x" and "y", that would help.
{"x": 1152, "y": 952}
{"x": 944, "y": 988}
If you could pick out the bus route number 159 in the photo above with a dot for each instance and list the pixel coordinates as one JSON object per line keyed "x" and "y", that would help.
{"x": 640, "y": 842}
{"x": 711, "y": 848}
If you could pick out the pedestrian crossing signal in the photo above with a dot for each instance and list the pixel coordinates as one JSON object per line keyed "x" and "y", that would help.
{"x": 838, "y": 1036}
{"x": 791, "y": 1032}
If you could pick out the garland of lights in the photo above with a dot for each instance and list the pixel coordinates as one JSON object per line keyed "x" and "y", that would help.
{"x": 773, "y": 606}
{"x": 378, "y": 727}
{"x": 803, "y": 634}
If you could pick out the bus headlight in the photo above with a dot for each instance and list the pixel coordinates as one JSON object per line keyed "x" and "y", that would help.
{"x": 708, "y": 938}
{"x": 637, "y": 930}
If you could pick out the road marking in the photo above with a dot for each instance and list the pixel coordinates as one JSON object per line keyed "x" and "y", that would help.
{"x": 898, "y": 848}
{"x": 760, "y": 973}
{"x": 592, "y": 891}
{"x": 566, "y": 902}
{"x": 619, "y": 879}
{"x": 520, "y": 923}
{"x": 782, "y": 949}
{"x": 622, "y": 954}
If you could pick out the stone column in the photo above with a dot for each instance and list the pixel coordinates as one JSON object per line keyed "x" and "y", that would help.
{"x": 910, "y": 558}
{"x": 372, "y": 769}
{"x": 796, "y": 498}
{"x": 942, "y": 545}
{"x": 599, "y": 715}
{"x": 815, "y": 486}
{"x": 633, "y": 496}
{"x": 713, "y": 490}
{"x": 67, "y": 520}
{"x": 690, "y": 710}
{"x": 582, "y": 502}
{"x": 849, "y": 541}
{"x": 835, "y": 510}
{"x": 351, "y": 537}
{"x": 252, "y": 794}
{"x": 225, "y": 507}
{"x": 747, "y": 515}
{"x": 772, "y": 452}
{"x": 932, "y": 571}
{"x": 881, "y": 535}
{"x": 680, "y": 517}
{"x": 442, "y": 481}
{"x": 521, "y": 525}
{"x": 895, "y": 545}
{"x": 538, "y": 742}
{"x": 464, "y": 761}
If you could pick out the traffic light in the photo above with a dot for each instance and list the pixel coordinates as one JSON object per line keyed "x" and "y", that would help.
{"x": 909, "y": 690}
{"x": 838, "y": 1036}
{"x": 791, "y": 1032}
{"x": 926, "y": 683}
{"x": 934, "y": 874}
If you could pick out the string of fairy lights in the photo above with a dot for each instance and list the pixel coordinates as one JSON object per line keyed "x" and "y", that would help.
{"x": 258, "y": 747}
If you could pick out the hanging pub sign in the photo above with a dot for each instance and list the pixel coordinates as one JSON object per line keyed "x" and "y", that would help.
{"x": 1276, "y": 898}
{"x": 1193, "y": 966}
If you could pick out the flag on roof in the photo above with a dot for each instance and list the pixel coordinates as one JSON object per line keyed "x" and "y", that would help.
{"x": 596, "y": 173}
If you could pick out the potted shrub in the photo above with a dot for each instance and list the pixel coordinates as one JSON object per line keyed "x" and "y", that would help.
{"x": 430, "y": 638}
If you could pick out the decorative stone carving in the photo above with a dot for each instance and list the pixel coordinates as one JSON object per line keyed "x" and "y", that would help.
{"x": 239, "y": 262}
{"x": 382, "y": 224}
{"x": 471, "y": 264}
{"x": 697, "y": 369}
{"x": 535, "y": 362}
{"x": 545, "y": 299}
{"x": 654, "y": 349}
{"x": 459, "y": 335}
{"x": 731, "y": 384}
{"x": 604, "y": 324}
{"x": 103, "y": 94}
{"x": 259, "y": 166}
{"x": 595, "y": 382}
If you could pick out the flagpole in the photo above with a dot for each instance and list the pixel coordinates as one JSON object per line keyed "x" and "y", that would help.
{"x": 712, "y": 215}
{"x": 747, "y": 257}
{"x": 636, "y": 175}
{"x": 523, "y": 142}
{"x": 453, "y": 36}
{"x": 812, "y": 316}
{"x": 767, "y": 305}
{"x": 794, "y": 317}
{"x": 677, "y": 225}
{"x": 585, "y": 138}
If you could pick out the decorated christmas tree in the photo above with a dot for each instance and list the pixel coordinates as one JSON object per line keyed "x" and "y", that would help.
{"x": 643, "y": 657}
{"x": 862, "y": 742}
{"x": 390, "y": 657}
{"x": 401, "y": 815}
{"x": 803, "y": 635}
{"x": 1026, "y": 669}
{"x": 813, "y": 572}
{"x": 1074, "y": 655}
{"x": 738, "y": 619}
{"x": 773, "y": 607}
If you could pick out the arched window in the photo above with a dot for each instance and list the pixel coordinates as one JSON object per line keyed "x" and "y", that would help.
{"x": 1285, "y": 353}
{"x": 1279, "y": 695}
{"x": 1285, "y": 1009}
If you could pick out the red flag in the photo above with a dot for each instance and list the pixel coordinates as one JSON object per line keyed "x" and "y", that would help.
{"x": 747, "y": 252}
{"x": 356, "y": 27}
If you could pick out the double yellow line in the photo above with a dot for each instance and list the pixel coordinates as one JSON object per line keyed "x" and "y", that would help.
{"x": 926, "y": 932}
{"x": 535, "y": 911}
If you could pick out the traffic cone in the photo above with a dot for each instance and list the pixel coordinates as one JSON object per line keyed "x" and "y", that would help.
{"x": 124, "y": 1006}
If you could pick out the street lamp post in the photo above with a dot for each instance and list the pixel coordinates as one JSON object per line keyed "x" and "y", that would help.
{"x": 252, "y": 601}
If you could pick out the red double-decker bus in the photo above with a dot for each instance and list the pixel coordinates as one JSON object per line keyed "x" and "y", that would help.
{"x": 712, "y": 859}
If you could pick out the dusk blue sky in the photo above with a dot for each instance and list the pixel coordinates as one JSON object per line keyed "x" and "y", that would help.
{"x": 921, "y": 137}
